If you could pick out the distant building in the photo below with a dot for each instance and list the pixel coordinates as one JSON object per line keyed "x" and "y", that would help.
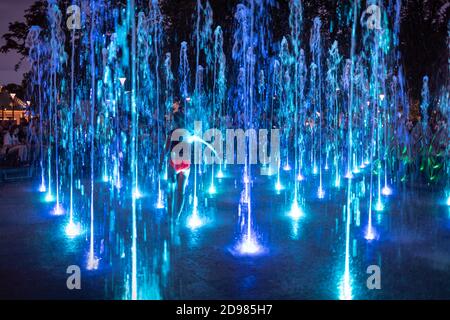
{"x": 12, "y": 107}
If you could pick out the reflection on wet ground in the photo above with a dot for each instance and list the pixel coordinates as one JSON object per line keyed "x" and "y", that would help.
{"x": 299, "y": 259}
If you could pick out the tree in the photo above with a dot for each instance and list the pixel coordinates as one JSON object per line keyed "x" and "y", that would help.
{"x": 15, "y": 88}
{"x": 18, "y": 31}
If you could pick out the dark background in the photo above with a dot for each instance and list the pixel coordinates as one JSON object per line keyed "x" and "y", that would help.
{"x": 423, "y": 37}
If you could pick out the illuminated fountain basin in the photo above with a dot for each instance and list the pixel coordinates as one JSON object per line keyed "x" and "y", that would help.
{"x": 306, "y": 264}
{"x": 275, "y": 219}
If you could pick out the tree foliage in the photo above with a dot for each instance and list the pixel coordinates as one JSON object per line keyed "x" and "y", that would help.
{"x": 422, "y": 39}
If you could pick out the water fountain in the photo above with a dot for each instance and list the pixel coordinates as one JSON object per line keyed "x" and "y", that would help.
{"x": 337, "y": 107}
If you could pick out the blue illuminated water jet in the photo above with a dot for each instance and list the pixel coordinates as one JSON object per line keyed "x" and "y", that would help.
{"x": 105, "y": 112}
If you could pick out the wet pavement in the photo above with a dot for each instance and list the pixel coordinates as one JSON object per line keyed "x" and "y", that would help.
{"x": 301, "y": 259}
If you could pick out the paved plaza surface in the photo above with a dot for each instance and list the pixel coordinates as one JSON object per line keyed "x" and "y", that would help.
{"x": 301, "y": 259}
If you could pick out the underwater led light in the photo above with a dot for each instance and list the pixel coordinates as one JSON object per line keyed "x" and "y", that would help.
{"x": 346, "y": 287}
{"x": 160, "y": 204}
{"x": 300, "y": 177}
{"x": 320, "y": 193}
{"x": 212, "y": 189}
{"x": 448, "y": 201}
{"x": 249, "y": 246}
{"x": 137, "y": 194}
{"x": 379, "y": 206}
{"x": 315, "y": 170}
{"x": 386, "y": 191}
{"x": 296, "y": 212}
{"x": 349, "y": 175}
{"x": 246, "y": 179}
{"x": 58, "y": 210}
{"x": 49, "y": 197}
{"x": 337, "y": 182}
{"x": 220, "y": 174}
{"x": 122, "y": 81}
{"x": 287, "y": 167}
{"x": 278, "y": 186}
{"x": 73, "y": 230}
{"x": 42, "y": 188}
{"x": 194, "y": 221}
{"x": 370, "y": 234}
{"x": 92, "y": 263}
{"x": 105, "y": 178}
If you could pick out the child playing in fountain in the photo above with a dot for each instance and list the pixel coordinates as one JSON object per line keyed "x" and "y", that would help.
{"x": 177, "y": 170}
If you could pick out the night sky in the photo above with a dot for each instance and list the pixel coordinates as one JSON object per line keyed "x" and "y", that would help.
{"x": 10, "y": 11}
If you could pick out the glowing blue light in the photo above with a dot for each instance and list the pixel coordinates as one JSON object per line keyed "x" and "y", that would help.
{"x": 73, "y": 230}
{"x": 379, "y": 206}
{"x": 370, "y": 234}
{"x": 249, "y": 246}
{"x": 212, "y": 189}
{"x": 346, "y": 287}
{"x": 300, "y": 177}
{"x": 137, "y": 194}
{"x": 92, "y": 262}
{"x": 278, "y": 186}
{"x": 315, "y": 170}
{"x": 105, "y": 178}
{"x": 287, "y": 167}
{"x": 42, "y": 188}
{"x": 320, "y": 193}
{"x": 296, "y": 212}
{"x": 246, "y": 179}
{"x": 220, "y": 174}
{"x": 194, "y": 221}
{"x": 448, "y": 201}
{"x": 349, "y": 175}
{"x": 49, "y": 197}
{"x": 160, "y": 202}
{"x": 337, "y": 182}
{"x": 386, "y": 191}
{"x": 58, "y": 210}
